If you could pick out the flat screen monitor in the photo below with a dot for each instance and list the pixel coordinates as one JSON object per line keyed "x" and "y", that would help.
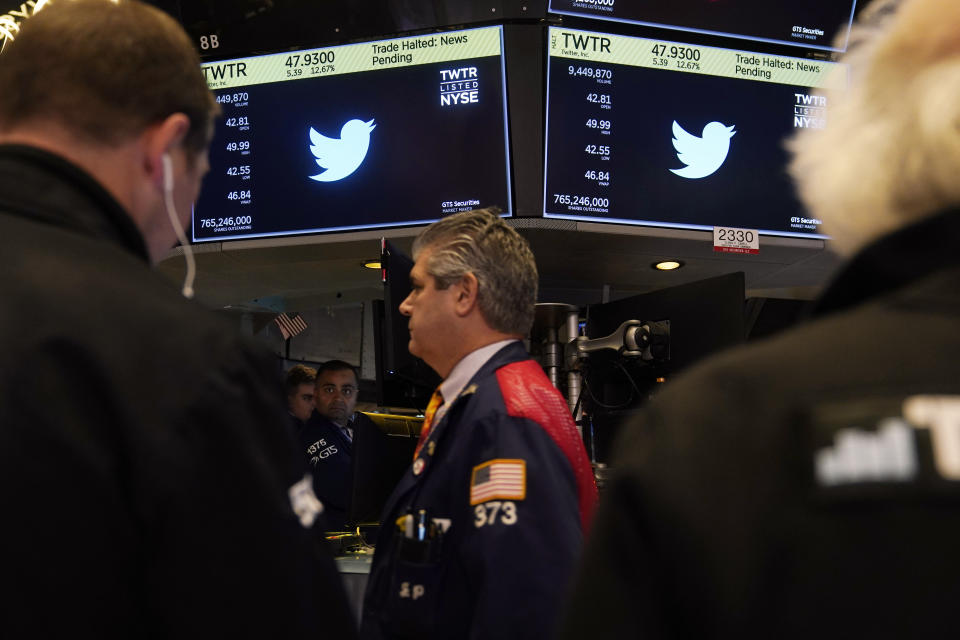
{"x": 368, "y": 135}
{"x": 650, "y": 132}
{"x": 705, "y": 317}
{"x": 813, "y": 24}
{"x": 383, "y": 447}
{"x": 403, "y": 380}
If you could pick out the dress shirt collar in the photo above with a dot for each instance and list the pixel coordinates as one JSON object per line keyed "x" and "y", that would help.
{"x": 463, "y": 371}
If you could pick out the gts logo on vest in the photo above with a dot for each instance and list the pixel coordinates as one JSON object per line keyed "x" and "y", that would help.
{"x": 320, "y": 450}
{"x": 459, "y": 86}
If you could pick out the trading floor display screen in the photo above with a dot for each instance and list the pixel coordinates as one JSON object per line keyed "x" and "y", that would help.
{"x": 368, "y": 135}
{"x": 651, "y": 132}
{"x": 812, "y": 24}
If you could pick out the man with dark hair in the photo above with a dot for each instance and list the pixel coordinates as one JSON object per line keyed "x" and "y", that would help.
{"x": 181, "y": 515}
{"x": 327, "y": 438}
{"x": 480, "y": 537}
{"x": 807, "y": 486}
{"x": 335, "y": 395}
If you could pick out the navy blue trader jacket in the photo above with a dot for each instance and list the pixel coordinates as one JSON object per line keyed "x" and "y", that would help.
{"x": 498, "y": 500}
{"x": 329, "y": 455}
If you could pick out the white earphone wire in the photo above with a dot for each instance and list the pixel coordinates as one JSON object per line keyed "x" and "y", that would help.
{"x": 177, "y": 227}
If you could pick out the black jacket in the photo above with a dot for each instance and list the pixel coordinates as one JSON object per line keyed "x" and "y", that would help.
{"x": 328, "y": 453}
{"x": 144, "y": 473}
{"x": 787, "y": 490}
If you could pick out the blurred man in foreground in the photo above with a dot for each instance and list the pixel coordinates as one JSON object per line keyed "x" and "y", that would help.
{"x": 808, "y": 486}
{"x": 481, "y": 536}
{"x": 145, "y": 487}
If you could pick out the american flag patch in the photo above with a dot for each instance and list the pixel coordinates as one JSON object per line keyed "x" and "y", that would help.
{"x": 498, "y": 479}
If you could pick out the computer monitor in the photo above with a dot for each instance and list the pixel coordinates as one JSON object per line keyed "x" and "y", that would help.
{"x": 403, "y": 380}
{"x": 670, "y": 134}
{"x": 812, "y": 24}
{"x": 764, "y": 317}
{"x": 366, "y": 135}
{"x": 705, "y": 317}
{"x": 383, "y": 447}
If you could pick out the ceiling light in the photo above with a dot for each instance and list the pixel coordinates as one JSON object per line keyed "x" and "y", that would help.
{"x": 667, "y": 265}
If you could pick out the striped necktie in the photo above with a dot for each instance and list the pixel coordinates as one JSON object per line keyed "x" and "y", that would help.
{"x": 436, "y": 400}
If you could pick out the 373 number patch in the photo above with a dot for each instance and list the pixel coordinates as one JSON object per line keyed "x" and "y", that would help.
{"x": 493, "y": 512}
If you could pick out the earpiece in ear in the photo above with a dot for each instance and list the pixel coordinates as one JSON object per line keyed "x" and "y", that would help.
{"x": 167, "y": 172}
{"x": 177, "y": 227}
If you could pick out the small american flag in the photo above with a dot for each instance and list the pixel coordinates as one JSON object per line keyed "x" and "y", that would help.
{"x": 290, "y": 324}
{"x": 498, "y": 479}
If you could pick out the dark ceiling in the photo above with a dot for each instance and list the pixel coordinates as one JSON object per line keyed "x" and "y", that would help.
{"x": 579, "y": 263}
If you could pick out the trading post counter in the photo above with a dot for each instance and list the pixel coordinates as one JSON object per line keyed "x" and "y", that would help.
{"x": 354, "y": 570}
{"x": 383, "y": 446}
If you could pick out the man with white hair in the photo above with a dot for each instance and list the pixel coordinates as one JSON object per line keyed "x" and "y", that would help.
{"x": 808, "y": 486}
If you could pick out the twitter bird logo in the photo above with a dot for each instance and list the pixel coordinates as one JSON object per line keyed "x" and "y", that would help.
{"x": 702, "y": 155}
{"x": 341, "y": 157}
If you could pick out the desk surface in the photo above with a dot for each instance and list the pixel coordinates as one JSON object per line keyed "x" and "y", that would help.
{"x": 354, "y": 570}
{"x": 354, "y": 563}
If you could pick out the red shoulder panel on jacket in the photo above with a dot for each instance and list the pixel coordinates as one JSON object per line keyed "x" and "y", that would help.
{"x": 528, "y": 393}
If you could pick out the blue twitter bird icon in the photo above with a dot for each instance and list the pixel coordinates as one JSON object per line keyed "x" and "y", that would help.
{"x": 341, "y": 157}
{"x": 702, "y": 155}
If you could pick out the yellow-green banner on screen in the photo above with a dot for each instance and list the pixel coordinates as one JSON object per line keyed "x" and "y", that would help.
{"x": 354, "y": 58}
{"x": 582, "y": 47}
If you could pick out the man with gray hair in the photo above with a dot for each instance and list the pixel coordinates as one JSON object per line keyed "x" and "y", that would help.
{"x": 481, "y": 535}
{"x": 808, "y": 486}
